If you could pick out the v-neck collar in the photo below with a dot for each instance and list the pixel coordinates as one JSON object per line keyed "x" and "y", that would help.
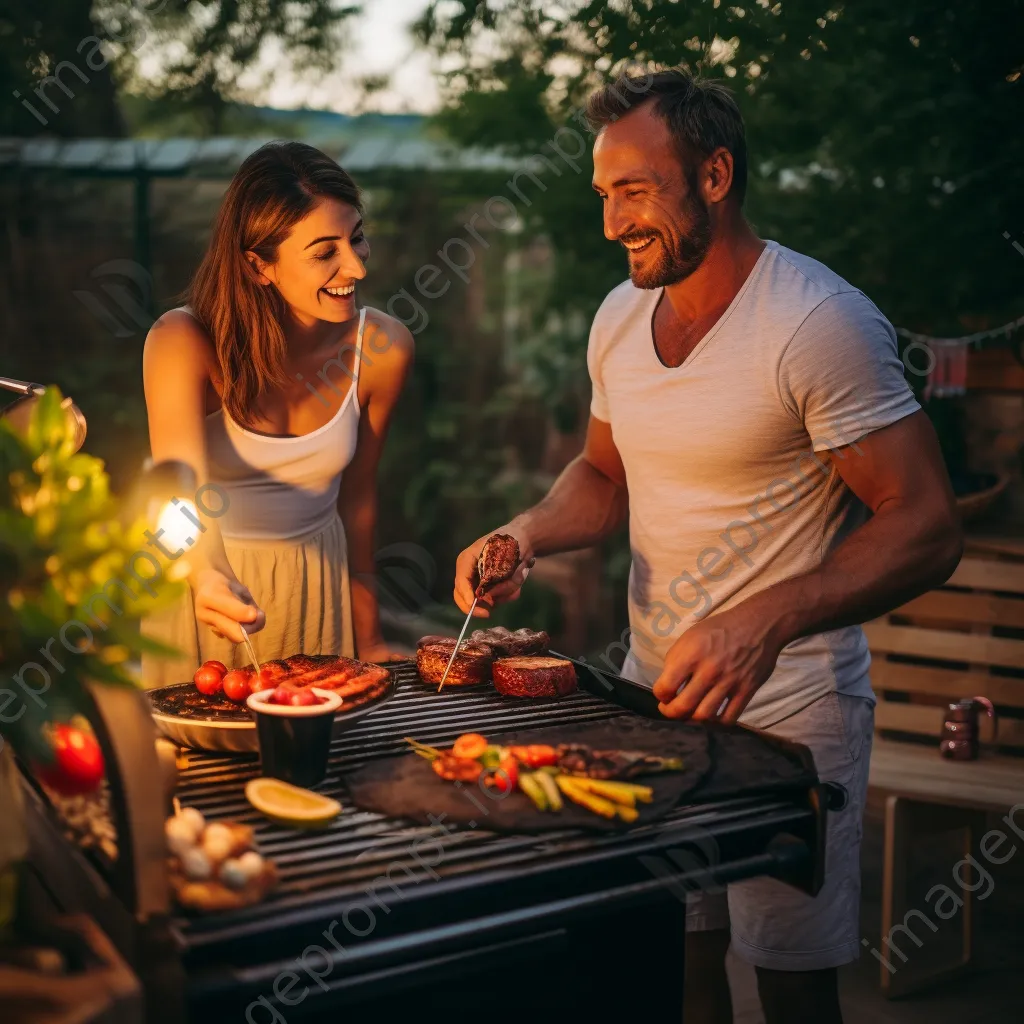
{"x": 659, "y": 293}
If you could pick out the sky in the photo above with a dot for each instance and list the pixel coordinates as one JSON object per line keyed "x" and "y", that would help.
{"x": 380, "y": 43}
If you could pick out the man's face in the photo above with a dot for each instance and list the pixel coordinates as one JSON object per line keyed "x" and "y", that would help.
{"x": 651, "y": 206}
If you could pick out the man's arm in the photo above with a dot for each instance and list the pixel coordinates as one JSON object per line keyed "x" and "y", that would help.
{"x": 912, "y": 543}
{"x": 587, "y": 503}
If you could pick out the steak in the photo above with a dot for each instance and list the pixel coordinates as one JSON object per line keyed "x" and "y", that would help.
{"x": 472, "y": 665}
{"x": 536, "y": 676}
{"x": 504, "y": 643}
{"x": 497, "y": 562}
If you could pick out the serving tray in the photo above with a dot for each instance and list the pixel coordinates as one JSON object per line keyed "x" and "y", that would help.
{"x": 188, "y": 719}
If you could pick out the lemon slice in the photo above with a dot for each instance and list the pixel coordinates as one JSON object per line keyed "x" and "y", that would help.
{"x": 290, "y": 805}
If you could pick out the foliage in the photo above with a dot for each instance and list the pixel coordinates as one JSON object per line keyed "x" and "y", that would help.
{"x": 206, "y": 45}
{"x": 66, "y": 564}
{"x": 884, "y": 138}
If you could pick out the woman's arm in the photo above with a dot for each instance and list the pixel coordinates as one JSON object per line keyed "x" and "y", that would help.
{"x": 177, "y": 365}
{"x": 387, "y": 356}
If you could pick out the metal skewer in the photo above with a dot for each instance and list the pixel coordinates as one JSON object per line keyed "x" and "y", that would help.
{"x": 455, "y": 650}
{"x": 249, "y": 648}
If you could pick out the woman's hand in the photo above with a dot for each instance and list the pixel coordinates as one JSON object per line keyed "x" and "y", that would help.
{"x": 466, "y": 573}
{"x": 223, "y": 603}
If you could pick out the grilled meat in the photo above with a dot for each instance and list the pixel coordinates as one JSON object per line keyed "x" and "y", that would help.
{"x": 497, "y": 562}
{"x": 472, "y": 665}
{"x": 505, "y": 644}
{"x": 579, "y": 759}
{"x": 536, "y": 676}
{"x": 457, "y": 769}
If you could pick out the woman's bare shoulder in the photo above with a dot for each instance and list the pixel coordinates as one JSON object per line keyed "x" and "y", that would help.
{"x": 178, "y": 340}
{"x": 387, "y": 336}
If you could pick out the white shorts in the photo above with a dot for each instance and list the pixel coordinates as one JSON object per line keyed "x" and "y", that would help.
{"x": 774, "y": 925}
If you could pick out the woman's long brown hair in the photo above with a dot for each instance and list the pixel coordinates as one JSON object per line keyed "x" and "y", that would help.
{"x": 274, "y": 188}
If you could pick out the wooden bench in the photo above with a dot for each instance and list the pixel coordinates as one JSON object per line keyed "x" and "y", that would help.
{"x": 965, "y": 639}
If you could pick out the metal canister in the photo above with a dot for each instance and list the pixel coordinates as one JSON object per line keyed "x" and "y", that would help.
{"x": 960, "y": 728}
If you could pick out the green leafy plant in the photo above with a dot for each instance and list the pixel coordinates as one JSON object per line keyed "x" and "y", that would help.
{"x": 72, "y": 585}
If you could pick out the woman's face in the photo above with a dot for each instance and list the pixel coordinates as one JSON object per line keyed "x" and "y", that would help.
{"x": 319, "y": 263}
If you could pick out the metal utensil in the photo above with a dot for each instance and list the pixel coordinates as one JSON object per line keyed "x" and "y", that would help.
{"x": 249, "y": 648}
{"x": 465, "y": 626}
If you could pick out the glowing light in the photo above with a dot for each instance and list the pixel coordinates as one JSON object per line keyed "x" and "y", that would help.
{"x": 174, "y": 527}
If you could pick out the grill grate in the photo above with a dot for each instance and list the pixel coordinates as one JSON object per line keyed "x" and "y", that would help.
{"x": 336, "y": 863}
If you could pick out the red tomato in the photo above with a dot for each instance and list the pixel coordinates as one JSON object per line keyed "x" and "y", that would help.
{"x": 470, "y": 744}
{"x": 236, "y": 685}
{"x": 506, "y": 778}
{"x": 208, "y": 680}
{"x": 304, "y": 698}
{"x": 218, "y": 665}
{"x": 77, "y": 766}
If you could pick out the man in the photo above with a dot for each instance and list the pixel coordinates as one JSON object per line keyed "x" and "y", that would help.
{"x": 749, "y": 410}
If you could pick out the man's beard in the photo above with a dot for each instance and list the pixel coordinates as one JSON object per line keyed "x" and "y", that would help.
{"x": 674, "y": 264}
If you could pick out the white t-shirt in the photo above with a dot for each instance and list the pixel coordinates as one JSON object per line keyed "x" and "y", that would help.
{"x": 727, "y": 495}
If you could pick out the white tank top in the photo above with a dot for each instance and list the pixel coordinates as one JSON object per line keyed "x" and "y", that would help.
{"x": 280, "y": 488}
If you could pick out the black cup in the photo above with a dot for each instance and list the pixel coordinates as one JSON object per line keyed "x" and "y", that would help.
{"x": 295, "y": 742}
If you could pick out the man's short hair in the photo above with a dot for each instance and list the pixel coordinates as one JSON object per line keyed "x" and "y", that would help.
{"x": 700, "y": 114}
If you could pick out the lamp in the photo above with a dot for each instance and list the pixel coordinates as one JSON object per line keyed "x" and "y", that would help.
{"x": 165, "y": 497}
{"x": 19, "y": 412}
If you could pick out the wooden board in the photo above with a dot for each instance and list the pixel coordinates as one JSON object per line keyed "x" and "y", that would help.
{"x": 993, "y": 782}
{"x": 962, "y": 640}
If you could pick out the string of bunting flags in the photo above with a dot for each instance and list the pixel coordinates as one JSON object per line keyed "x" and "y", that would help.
{"x": 943, "y": 361}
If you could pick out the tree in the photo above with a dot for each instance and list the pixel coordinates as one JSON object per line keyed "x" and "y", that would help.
{"x": 884, "y": 138}
{"x": 85, "y": 53}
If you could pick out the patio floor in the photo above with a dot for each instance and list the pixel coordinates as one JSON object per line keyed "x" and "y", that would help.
{"x": 991, "y": 993}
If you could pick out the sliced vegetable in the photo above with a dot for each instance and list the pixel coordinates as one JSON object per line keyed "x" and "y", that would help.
{"x": 470, "y": 744}
{"x": 491, "y": 756}
{"x": 547, "y": 783}
{"x": 535, "y": 755}
{"x": 422, "y": 749}
{"x": 533, "y": 789}
{"x": 598, "y": 804}
{"x": 626, "y": 813}
{"x": 506, "y": 776}
{"x": 621, "y": 792}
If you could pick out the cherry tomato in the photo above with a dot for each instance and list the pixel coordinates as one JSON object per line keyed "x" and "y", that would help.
{"x": 304, "y": 698}
{"x": 283, "y": 694}
{"x": 208, "y": 680}
{"x": 470, "y": 744}
{"x": 218, "y": 665}
{"x": 236, "y": 685}
{"x": 77, "y": 766}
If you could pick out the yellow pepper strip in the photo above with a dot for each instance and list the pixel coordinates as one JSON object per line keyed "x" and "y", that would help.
{"x": 598, "y": 804}
{"x": 621, "y": 792}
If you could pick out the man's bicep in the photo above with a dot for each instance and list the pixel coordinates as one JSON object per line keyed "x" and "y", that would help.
{"x": 901, "y": 462}
{"x": 600, "y": 451}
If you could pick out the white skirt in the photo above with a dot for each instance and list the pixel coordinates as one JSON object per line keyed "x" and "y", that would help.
{"x": 303, "y": 587}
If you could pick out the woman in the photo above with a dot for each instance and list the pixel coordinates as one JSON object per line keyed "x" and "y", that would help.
{"x": 277, "y": 388}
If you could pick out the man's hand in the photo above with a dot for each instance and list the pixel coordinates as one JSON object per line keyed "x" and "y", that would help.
{"x": 726, "y": 657}
{"x": 466, "y": 575}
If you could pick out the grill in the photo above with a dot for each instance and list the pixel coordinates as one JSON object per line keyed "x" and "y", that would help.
{"x": 377, "y": 909}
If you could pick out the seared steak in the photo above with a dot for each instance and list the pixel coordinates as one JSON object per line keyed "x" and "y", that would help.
{"x": 504, "y": 643}
{"x": 472, "y": 665}
{"x": 497, "y": 562}
{"x": 536, "y": 676}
